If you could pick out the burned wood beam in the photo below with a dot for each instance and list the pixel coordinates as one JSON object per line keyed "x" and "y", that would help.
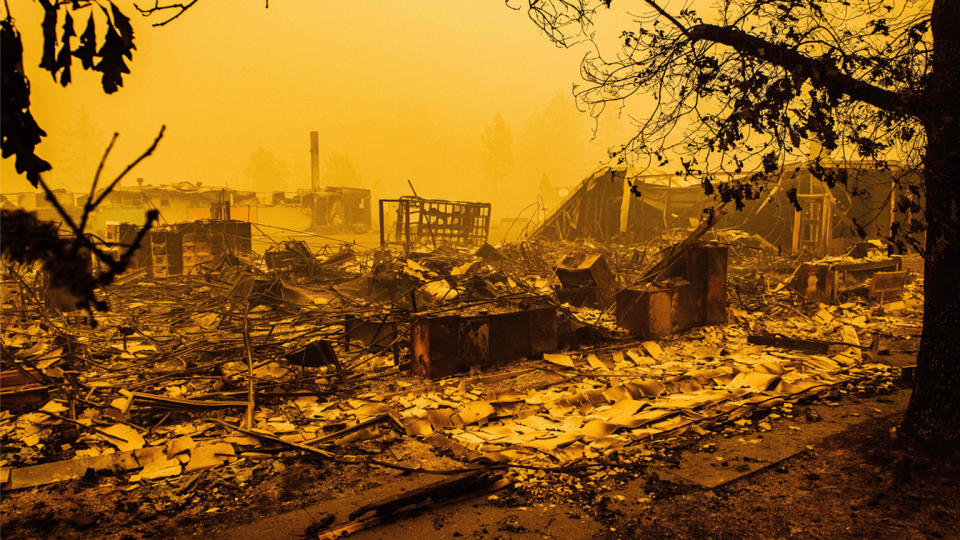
{"x": 416, "y": 502}
{"x": 165, "y": 402}
{"x": 356, "y": 427}
{"x": 805, "y": 345}
{"x": 812, "y": 346}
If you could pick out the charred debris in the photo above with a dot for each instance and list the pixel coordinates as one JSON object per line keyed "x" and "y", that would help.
{"x": 572, "y": 352}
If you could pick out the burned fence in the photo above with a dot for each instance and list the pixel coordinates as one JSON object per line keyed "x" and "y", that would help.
{"x": 414, "y": 221}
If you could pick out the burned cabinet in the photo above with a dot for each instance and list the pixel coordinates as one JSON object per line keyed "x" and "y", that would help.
{"x": 436, "y": 347}
{"x": 166, "y": 252}
{"x": 160, "y": 253}
{"x": 176, "y": 249}
{"x": 646, "y": 312}
{"x": 704, "y": 266}
{"x": 204, "y": 241}
{"x": 447, "y": 345}
{"x": 692, "y": 292}
{"x": 816, "y": 283}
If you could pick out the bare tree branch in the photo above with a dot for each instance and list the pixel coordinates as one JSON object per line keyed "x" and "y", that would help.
{"x": 821, "y": 72}
{"x": 669, "y": 17}
{"x": 28, "y": 239}
{"x": 120, "y": 176}
{"x": 181, "y": 8}
{"x": 88, "y": 204}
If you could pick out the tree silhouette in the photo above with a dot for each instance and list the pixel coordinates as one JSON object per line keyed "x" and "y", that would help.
{"x": 554, "y": 142}
{"x": 107, "y": 54}
{"x": 498, "y": 160}
{"x": 747, "y": 84}
{"x": 339, "y": 170}
{"x": 25, "y": 238}
{"x": 265, "y": 172}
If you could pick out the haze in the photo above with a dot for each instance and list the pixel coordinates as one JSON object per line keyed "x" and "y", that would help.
{"x": 399, "y": 90}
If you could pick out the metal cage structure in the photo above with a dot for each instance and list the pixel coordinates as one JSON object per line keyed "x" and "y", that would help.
{"x": 413, "y": 221}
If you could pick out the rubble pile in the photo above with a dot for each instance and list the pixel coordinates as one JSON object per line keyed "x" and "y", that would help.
{"x": 385, "y": 358}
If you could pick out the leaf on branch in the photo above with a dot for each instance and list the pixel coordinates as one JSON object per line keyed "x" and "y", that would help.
{"x": 88, "y": 45}
{"x": 880, "y": 26}
{"x": 19, "y": 132}
{"x": 707, "y": 186}
{"x": 64, "y": 57}
{"x": 49, "y": 29}
{"x": 111, "y": 62}
{"x": 770, "y": 165}
{"x": 829, "y": 175}
{"x": 122, "y": 22}
{"x": 27, "y": 240}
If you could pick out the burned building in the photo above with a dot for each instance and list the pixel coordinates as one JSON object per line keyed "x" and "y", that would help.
{"x": 339, "y": 209}
{"x": 331, "y": 210}
{"x": 861, "y": 204}
{"x": 602, "y": 207}
{"x": 179, "y": 202}
{"x": 38, "y": 203}
{"x": 176, "y": 250}
{"x": 617, "y": 204}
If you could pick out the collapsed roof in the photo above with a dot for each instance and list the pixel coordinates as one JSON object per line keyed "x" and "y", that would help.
{"x": 619, "y": 203}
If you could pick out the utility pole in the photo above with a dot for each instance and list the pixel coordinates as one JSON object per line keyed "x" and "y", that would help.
{"x": 315, "y": 161}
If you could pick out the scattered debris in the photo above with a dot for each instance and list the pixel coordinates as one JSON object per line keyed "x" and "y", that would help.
{"x": 585, "y": 280}
{"x": 533, "y": 356}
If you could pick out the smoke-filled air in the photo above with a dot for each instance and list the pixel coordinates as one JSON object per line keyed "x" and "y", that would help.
{"x": 467, "y": 101}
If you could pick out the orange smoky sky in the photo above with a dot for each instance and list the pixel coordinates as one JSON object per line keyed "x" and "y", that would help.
{"x": 400, "y": 90}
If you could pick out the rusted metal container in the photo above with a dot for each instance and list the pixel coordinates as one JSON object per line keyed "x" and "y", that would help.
{"x": 436, "y": 347}
{"x": 645, "y": 312}
{"x": 705, "y": 267}
{"x": 446, "y": 345}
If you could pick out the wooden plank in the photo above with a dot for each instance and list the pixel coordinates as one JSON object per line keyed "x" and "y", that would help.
{"x": 72, "y": 469}
{"x": 805, "y": 345}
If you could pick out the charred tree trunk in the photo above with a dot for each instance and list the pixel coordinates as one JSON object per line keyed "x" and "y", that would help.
{"x": 934, "y": 410}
